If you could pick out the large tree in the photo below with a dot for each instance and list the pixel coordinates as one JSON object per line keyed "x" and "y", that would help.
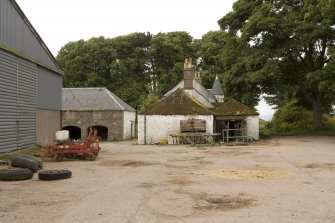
{"x": 228, "y": 57}
{"x": 167, "y": 53}
{"x": 133, "y": 66}
{"x": 286, "y": 45}
{"x": 118, "y": 64}
{"x": 129, "y": 73}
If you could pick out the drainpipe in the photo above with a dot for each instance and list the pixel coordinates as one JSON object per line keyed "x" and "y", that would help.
{"x": 145, "y": 129}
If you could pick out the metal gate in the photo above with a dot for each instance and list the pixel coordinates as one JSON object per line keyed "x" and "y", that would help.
{"x": 17, "y": 102}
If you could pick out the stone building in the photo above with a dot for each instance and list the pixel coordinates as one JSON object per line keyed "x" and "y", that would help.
{"x": 31, "y": 83}
{"x": 97, "y": 107}
{"x": 202, "y": 110}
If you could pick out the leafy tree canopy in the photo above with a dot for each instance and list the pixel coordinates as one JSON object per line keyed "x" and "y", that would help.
{"x": 131, "y": 66}
{"x": 167, "y": 53}
{"x": 280, "y": 48}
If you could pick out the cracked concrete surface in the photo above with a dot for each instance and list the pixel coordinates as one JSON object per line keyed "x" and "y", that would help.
{"x": 137, "y": 183}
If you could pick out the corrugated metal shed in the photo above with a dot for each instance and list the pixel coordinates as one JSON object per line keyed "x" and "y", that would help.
{"x": 8, "y": 101}
{"x": 18, "y": 102}
{"x": 30, "y": 79}
{"x": 26, "y": 101}
{"x": 49, "y": 88}
{"x": 19, "y": 37}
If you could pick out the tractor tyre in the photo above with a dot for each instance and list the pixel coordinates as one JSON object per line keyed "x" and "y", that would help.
{"x": 24, "y": 162}
{"x": 15, "y": 174}
{"x": 54, "y": 174}
{"x": 39, "y": 161}
{"x": 93, "y": 156}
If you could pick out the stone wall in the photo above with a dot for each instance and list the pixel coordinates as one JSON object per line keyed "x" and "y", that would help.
{"x": 113, "y": 120}
{"x": 129, "y": 124}
{"x": 47, "y": 123}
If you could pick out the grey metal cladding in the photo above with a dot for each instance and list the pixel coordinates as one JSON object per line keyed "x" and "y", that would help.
{"x": 8, "y": 105}
{"x": 18, "y": 89}
{"x": 49, "y": 88}
{"x": 27, "y": 91}
{"x": 18, "y": 36}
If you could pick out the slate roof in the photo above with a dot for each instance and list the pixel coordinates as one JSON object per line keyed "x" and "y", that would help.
{"x": 234, "y": 108}
{"x": 178, "y": 103}
{"x": 199, "y": 100}
{"x": 92, "y": 99}
{"x": 217, "y": 89}
{"x": 199, "y": 92}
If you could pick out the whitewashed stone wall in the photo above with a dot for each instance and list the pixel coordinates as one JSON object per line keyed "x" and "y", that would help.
{"x": 159, "y": 127}
{"x": 128, "y": 121}
{"x": 253, "y": 127}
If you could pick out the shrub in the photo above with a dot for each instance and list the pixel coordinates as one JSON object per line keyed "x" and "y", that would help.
{"x": 148, "y": 102}
{"x": 292, "y": 118}
{"x": 329, "y": 123}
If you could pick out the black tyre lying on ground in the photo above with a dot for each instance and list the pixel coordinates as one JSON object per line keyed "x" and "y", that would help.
{"x": 24, "y": 162}
{"x": 54, "y": 174}
{"x": 39, "y": 161}
{"x": 15, "y": 174}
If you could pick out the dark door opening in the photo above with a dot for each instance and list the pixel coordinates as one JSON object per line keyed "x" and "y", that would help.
{"x": 102, "y": 131}
{"x": 232, "y": 130}
{"x": 74, "y": 132}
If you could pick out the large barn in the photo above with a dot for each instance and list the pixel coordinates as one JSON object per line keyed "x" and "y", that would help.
{"x": 99, "y": 108}
{"x": 31, "y": 83}
{"x": 190, "y": 111}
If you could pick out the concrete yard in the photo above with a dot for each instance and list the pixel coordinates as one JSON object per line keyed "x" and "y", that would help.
{"x": 284, "y": 179}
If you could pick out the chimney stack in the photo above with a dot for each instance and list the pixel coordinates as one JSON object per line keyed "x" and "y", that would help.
{"x": 189, "y": 74}
{"x": 198, "y": 78}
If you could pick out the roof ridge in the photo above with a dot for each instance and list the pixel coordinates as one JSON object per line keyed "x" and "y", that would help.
{"x": 209, "y": 93}
{"x": 110, "y": 94}
{"x": 226, "y": 104}
{"x": 83, "y": 88}
{"x": 35, "y": 33}
{"x": 240, "y": 103}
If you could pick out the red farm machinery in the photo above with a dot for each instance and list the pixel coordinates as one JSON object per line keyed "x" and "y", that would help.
{"x": 87, "y": 149}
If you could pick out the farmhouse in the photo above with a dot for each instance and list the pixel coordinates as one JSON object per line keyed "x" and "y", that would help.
{"x": 31, "y": 83}
{"x": 190, "y": 111}
{"x": 97, "y": 107}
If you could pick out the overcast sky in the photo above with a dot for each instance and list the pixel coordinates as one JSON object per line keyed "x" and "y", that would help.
{"x": 61, "y": 21}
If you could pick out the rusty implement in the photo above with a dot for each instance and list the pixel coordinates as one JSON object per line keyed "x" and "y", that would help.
{"x": 88, "y": 149}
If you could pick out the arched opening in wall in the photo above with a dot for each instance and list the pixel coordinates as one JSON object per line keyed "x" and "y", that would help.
{"x": 74, "y": 132}
{"x": 102, "y": 131}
